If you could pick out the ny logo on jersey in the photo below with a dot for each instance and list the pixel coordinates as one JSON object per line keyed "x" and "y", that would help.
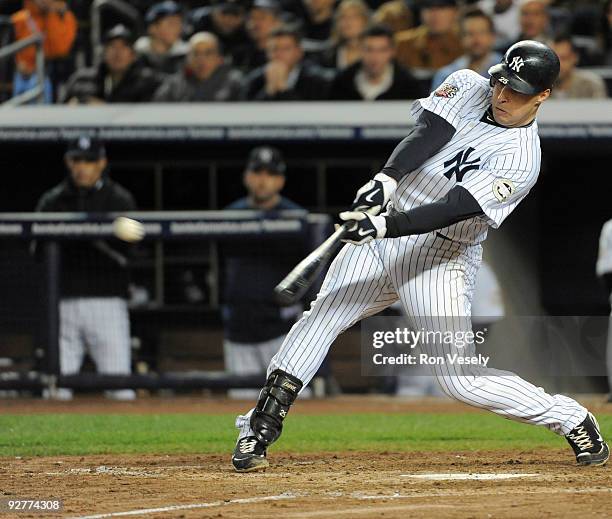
{"x": 461, "y": 164}
{"x": 517, "y": 63}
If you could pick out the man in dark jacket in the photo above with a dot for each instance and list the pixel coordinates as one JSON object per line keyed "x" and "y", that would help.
{"x": 254, "y": 323}
{"x": 93, "y": 277}
{"x": 120, "y": 78}
{"x": 286, "y": 76}
{"x": 377, "y": 76}
{"x": 204, "y": 78}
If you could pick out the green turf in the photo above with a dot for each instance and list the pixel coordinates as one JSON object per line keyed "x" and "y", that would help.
{"x": 75, "y": 434}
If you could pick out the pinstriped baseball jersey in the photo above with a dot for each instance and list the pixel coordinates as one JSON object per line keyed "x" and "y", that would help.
{"x": 497, "y": 165}
{"x": 434, "y": 277}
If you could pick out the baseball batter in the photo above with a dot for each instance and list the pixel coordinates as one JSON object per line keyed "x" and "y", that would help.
{"x": 473, "y": 155}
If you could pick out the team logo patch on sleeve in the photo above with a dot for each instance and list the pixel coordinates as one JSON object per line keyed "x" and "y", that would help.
{"x": 446, "y": 90}
{"x": 503, "y": 189}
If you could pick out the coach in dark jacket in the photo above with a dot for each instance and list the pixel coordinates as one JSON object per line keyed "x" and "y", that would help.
{"x": 93, "y": 312}
{"x": 87, "y": 267}
{"x": 120, "y": 78}
{"x": 286, "y": 76}
{"x": 377, "y": 76}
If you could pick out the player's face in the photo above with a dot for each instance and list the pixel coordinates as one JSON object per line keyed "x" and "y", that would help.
{"x": 118, "y": 55}
{"x": 168, "y": 29}
{"x": 286, "y": 50}
{"x": 85, "y": 173}
{"x": 439, "y": 20}
{"x": 477, "y": 37}
{"x": 204, "y": 59}
{"x": 567, "y": 58}
{"x": 534, "y": 19}
{"x": 513, "y": 109}
{"x": 377, "y": 54}
{"x": 263, "y": 185}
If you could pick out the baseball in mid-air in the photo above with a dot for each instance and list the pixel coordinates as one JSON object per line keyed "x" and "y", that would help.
{"x": 127, "y": 229}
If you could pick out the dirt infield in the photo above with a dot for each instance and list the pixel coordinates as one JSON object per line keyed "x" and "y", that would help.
{"x": 315, "y": 485}
{"x": 323, "y": 485}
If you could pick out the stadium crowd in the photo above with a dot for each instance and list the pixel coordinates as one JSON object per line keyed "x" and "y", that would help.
{"x": 256, "y": 50}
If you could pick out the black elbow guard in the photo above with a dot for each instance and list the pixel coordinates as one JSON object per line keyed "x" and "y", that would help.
{"x": 274, "y": 401}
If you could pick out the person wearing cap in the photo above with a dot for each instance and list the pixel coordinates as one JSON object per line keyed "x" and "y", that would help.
{"x": 254, "y": 324}
{"x": 93, "y": 314}
{"x": 286, "y": 76}
{"x": 264, "y": 16}
{"x": 163, "y": 49}
{"x": 120, "y": 78}
{"x": 205, "y": 77}
{"x": 226, "y": 20}
{"x": 478, "y": 40}
{"x": 58, "y": 25}
{"x": 435, "y": 43}
{"x": 376, "y": 76}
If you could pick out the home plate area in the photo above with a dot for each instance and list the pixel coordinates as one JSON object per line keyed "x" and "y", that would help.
{"x": 356, "y": 484}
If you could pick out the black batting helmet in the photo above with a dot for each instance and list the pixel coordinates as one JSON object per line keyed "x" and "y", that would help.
{"x": 529, "y": 67}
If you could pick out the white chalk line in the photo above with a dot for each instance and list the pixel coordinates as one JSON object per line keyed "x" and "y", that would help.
{"x": 353, "y": 495}
{"x": 466, "y": 476}
{"x": 173, "y": 508}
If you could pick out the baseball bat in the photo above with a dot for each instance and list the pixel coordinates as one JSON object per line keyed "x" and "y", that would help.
{"x": 295, "y": 284}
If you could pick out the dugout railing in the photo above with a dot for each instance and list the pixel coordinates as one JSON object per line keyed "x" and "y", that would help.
{"x": 29, "y": 320}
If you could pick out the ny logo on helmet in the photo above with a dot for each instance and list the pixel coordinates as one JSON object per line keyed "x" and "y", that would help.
{"x": 517, "y": 63}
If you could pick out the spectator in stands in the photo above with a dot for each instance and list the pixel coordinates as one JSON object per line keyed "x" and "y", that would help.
{"x": 254, "y": 323}
{"x": 574, "y": 83}
{"x": 205, "y": 77}
{"x": 377, "y": 76}
{"x": 120, "y": 78}
{"x": 505, "y": 15}
{"x": 264, "y": 17}
{"x": 286, "y": 76}
{"x": 58, "y": 26}
{"x": 163, "y": 49}
{"x": 226, "y": 19}
{"x": 534, "y": 20}
{"x": 478, "y": 39}
{"x": 350, "y": 20}
{"x": 93, "y": 311}
{"x": 434, "y": 44}
{"x": 395, "y": 14}
{"x": 318, "y": 22}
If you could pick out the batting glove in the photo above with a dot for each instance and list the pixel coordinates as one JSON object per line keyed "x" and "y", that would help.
{"x": 367, "y": 227}
{"x": 374, "y": 195}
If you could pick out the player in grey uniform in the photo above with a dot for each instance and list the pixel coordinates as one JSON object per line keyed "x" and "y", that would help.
{"x": 473, "y": 155}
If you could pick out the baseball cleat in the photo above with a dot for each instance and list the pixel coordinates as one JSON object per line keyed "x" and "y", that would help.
{"x": 249, "y": 455}
{"x": 589, "y": 447}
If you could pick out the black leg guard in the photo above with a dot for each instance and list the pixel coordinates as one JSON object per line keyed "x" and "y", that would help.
{"x": 275, "y": 399}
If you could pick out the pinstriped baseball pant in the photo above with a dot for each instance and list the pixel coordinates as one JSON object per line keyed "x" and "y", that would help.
{"x": 434, "y": 279}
